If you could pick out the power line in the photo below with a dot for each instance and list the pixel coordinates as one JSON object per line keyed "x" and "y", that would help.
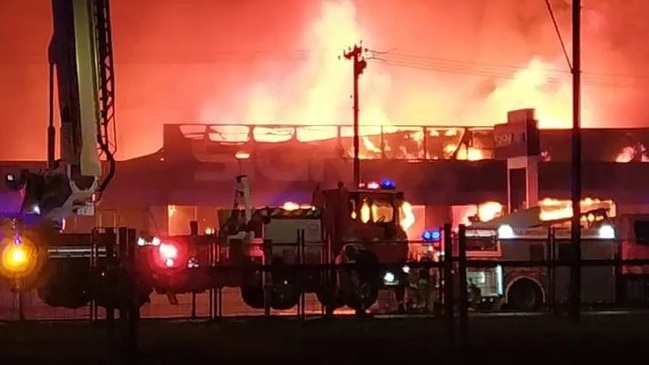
{"x": 407, "y": 58}
{"x": 508, "y": 72}
{"x": 389, "y": 58}
{"x": 556, "y": 29}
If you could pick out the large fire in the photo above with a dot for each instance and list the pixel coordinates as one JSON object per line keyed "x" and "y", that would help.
{"x": 554, "y": 209}
{"x": 261, "y": 63}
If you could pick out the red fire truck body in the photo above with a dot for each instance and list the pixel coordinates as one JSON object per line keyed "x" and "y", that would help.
{"x": 366, "y": 218}
{"x": 529, "y": 288}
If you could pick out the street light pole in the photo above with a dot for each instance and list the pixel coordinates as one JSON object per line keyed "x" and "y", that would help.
{"x": 575, "y": 183}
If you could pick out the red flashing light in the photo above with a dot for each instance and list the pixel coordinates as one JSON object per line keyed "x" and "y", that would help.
{"x": 373, "y": 185}
{"x": 168, "y": 255}
{"x": 370, "y": 185}
{"x": 168, "y": 251}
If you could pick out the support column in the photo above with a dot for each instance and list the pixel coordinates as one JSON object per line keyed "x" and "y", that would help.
{"x": 517, "y": 142}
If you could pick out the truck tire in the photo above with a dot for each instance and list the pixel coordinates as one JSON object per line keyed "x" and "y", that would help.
{"x": 253, "y": 296}
{"x": 65, "y": 284}
{"x": 525, "y": 295}
{"x": 285, "y": 296}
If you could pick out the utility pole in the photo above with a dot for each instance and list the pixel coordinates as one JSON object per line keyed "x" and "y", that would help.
{"x": 575, "y": 269}
{"x": 356, "y": 55}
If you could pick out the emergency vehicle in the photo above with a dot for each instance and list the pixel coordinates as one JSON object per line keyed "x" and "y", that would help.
{"x": 538, "y": 235}
{"x": 341, "y": 225}
{"x": 33, "y": 250}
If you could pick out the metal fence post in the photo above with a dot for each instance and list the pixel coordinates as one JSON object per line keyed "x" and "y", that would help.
{"x": 463, "y": 295}
{"x": 121, "y": 338}
{"x": 449, "y": 300}
{"x": 133, "y": 303}
{"x": 95, "y": 237}
{"x": 301, "y": 310}
{"x": 267, "y": 284}
{"x": 193, "y": 228}
{"x": 218, "y": 301}
{"x": 20, "y": 294}
{"x": 551, "y": 259}
{"x": 128, "y": 306}
{"x": 620, "y": 289}
{"x": 109, "y": 239}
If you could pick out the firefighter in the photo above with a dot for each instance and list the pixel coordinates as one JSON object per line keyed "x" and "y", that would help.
{"x": 475, "y": 294}
{"x": 421, "y": 286}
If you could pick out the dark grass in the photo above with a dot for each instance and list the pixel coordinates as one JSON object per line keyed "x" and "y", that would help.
{"x": 520, "y": 340}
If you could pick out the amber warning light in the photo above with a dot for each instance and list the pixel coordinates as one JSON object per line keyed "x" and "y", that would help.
{"x": 18, "y": 258}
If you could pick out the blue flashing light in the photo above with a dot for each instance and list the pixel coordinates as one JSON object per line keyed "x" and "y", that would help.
{"x": 388, "y": 184}
{"x": 432, "y": 235}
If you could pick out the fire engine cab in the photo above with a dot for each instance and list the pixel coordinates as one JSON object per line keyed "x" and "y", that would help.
{"x": 362, "y": 225}
{"x": 542, "y": 234}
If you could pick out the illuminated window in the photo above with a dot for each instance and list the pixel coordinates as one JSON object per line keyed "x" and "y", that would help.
{"x": 178, "y": 219}
{"x": 366, "y": 212}
{"x": 382, "y": 212}
{"x": 352, "y": 209}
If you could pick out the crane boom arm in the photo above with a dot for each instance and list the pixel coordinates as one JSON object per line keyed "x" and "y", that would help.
{"x": 80, "y": 54}
{"x": 73, "y": 52}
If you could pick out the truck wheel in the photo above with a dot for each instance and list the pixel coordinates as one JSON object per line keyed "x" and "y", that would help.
{"x": 65, "y": 285}
{"x": 285, "y": 296}
{"x": 253, "y": 296}
{"x": 363, "y": 297}
{"x": 329, "y": 300}
{"x": 525, "y": 295}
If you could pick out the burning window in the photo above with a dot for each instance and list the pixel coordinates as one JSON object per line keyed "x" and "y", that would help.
{"x": 382, "y": 211}
{"x": 634, "y": 152}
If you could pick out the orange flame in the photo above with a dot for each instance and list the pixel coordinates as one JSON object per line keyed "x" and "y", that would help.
{"x": 489, "y": 210}
{"x": 554, "y": 209}
{"x": 407, "y": 216}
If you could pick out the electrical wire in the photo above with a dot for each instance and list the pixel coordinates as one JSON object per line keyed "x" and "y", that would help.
{"x": 415, "y": 62}
{"x": 422, "y": 62}
{"x": 488, "y": 70}
{"x": 556, "y": 29}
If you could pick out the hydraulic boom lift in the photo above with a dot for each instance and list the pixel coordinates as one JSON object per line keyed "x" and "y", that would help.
{"x": 81, "y": 58}
{"x": 81, "y": 69}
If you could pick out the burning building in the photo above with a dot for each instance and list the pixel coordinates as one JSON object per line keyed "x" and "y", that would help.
{"x": 446, "y": 173}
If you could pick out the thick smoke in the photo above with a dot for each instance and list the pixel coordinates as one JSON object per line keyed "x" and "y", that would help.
{"x": 463, "y": 62}
{"x": 436, "y": 62}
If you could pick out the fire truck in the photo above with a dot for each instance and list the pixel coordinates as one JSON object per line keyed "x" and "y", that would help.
{"x": 362, "y": 225}
{"x": 537, "y": 235}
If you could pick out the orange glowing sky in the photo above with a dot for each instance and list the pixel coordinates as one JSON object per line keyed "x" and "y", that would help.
{"x": 254, "y": 61}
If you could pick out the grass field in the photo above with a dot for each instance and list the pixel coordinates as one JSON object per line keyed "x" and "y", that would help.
{"x": 521, "y": 340}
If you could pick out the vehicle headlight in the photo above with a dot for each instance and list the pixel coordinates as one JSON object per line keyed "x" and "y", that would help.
{"x": 606, "y": 232}
{"x": 389, "y": 278}
{"x": 506, "y": 232}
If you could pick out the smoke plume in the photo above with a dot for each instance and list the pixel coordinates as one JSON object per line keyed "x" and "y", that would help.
{"x": 431, "y": 62}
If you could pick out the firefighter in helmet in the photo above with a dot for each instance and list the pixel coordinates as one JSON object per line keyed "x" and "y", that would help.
{"x": 421, "y": 286}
